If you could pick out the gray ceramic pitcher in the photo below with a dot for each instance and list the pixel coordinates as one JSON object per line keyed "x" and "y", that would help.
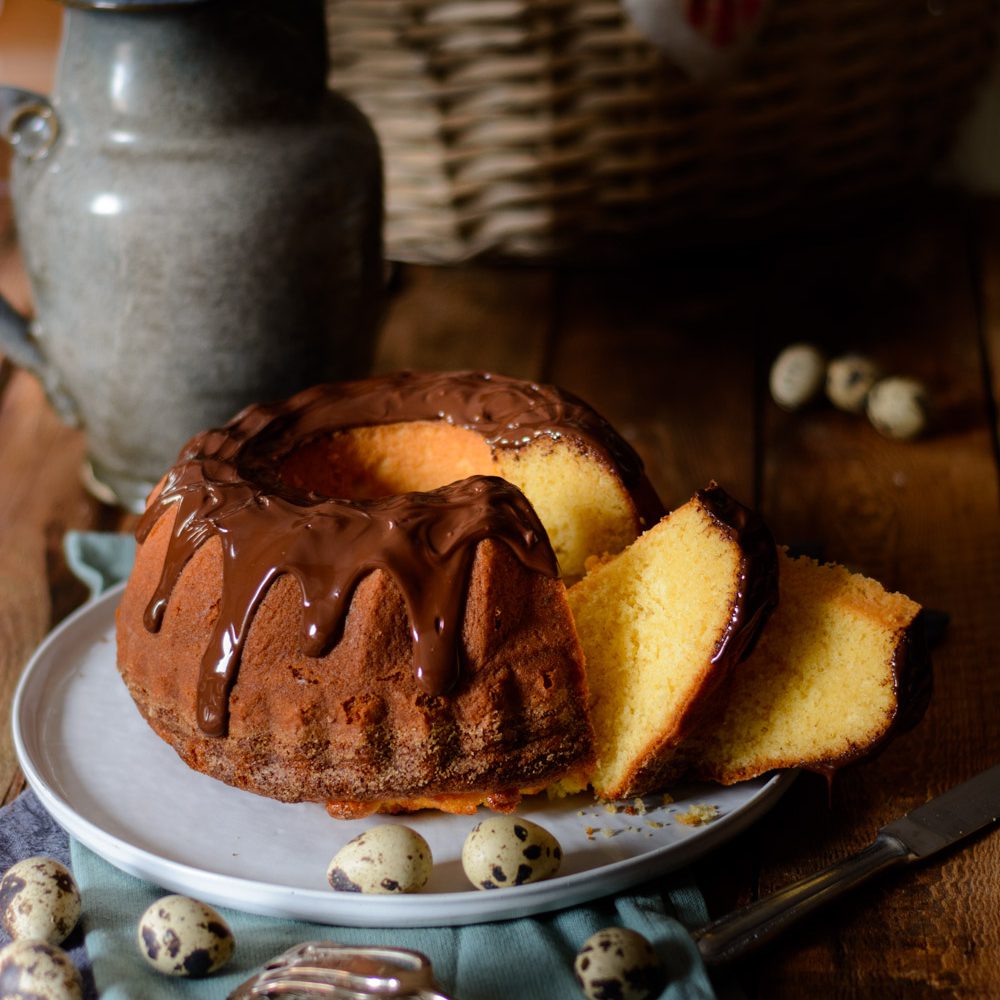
{"x": 200, "y": 219}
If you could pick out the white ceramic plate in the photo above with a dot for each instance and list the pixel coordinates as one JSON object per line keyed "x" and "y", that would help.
{"x": 116, "y": 787}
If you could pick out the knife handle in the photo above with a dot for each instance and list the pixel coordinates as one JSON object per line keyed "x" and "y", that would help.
{"x": 737, "y": 933}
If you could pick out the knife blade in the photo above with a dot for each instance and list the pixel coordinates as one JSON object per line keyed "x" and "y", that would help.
{"x": 940, "y": 823}
{"x": 951, "y": 816}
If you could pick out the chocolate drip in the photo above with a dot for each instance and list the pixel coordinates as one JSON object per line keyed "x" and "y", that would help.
{"x": 227, "y": 484}
{"x": 425, "y": 541}
{"x": 758, "y": 565}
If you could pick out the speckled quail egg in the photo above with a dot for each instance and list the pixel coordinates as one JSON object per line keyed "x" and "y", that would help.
{"x": 899, "y": 407}
{"x": 848, "y": 381}
{"x": 502, "y": 851}
{"x": 37, "y": 970}
{"x": 618, "y": 963}
{"x": 797, "y": 376}
{"x": 180, "y": 936}
{"x": 384, "y": 859}
{"x": 39, "y": 900}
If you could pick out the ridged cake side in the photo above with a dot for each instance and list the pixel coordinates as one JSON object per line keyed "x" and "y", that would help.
{"x": 354, "y": 727}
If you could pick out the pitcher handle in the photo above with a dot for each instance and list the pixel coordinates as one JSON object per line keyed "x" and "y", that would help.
{"x": 29, "y": 123}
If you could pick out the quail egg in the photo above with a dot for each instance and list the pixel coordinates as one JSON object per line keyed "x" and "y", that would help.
{"x": 502, "y": 851}
{"x": 180, "y": 936}
{"x": 848, "y": 381}
{"x": 899, "y": 407}
{"x": 39, "y": 900}
{"x": 384, "y": 859}
{"x": 620, "y": 963}
{"x": 797, "y": 376}
{"x": 38, "y": 970}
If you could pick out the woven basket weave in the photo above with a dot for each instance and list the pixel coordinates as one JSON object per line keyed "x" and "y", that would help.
{"x": 530, "y": 128}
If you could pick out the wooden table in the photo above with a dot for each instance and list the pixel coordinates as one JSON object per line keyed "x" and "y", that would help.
{"x": 675, "y": 352}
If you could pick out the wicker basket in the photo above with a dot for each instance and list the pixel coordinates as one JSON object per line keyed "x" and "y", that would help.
{"x": 530, "y": 128}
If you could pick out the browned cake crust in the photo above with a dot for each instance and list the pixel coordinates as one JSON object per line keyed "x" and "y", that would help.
{"x": 266, "y": 635}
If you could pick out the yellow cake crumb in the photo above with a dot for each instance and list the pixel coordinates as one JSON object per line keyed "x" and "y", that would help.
{"x": 698, "y": 814}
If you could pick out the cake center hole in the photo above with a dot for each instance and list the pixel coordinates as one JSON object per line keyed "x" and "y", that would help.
{"x": 365, "y": 463}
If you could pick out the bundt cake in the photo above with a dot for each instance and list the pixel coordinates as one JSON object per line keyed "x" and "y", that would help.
{"x": 408, "y": 646}
{"x": 841, "y": 665}
{"x": 662, "y": 625}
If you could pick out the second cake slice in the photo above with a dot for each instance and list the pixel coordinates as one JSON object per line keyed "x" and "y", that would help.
{"x": 661, "y": 626}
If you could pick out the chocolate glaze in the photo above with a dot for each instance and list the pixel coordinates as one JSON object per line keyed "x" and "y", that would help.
{"x": 757, "y": 596}
{"x": 227, "y": 483}
{"x": 912, "y": 675}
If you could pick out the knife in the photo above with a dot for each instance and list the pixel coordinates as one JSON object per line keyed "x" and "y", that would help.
{"x": 928, "y": 829}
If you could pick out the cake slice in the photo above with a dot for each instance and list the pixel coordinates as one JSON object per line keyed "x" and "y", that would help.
{"x": 841, "y": 665}
{"x": 661, "y": 626}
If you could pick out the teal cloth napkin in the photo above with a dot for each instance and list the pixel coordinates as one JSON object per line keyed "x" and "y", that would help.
{"x": 529, "y": 958}
{"x": 99, "y": 559}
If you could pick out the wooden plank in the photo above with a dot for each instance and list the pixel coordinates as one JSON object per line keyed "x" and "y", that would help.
{"x": 24, "y": 594}
{"x": 24, "y": 619}
{"x": 921, "y": 517}
{"x": 667, "y": 358}
{"x": 472, "y": 317}
{"x": 39, "y": 460}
